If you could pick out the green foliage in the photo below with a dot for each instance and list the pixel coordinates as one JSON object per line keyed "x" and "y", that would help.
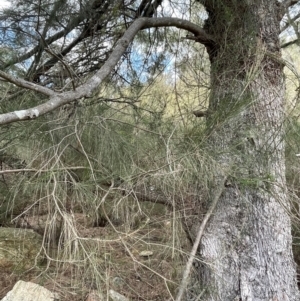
{"x": 132, "y": 159}
{"x": 96, "y": 158}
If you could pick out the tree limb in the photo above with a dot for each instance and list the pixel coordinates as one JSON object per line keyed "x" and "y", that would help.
{"x": 26, "y": 84}
{"x": 57, "y": 100}
{"x": 289, "y": 21}
{"x": 199, "y": 33}
{"x": 289, "y": 43}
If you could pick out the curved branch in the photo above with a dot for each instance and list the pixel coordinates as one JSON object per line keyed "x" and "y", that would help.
{"x": 85, "y": 90}
{"x": 200, "y": 34}
{"x": 26, "y": 84}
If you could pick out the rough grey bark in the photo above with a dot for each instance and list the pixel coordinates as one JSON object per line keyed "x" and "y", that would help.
{"x": 246, "y": 248}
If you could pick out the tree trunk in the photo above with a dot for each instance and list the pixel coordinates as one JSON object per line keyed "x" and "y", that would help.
{"x": 246, "y": 248}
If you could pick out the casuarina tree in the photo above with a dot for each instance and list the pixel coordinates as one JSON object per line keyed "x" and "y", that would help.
{"x": 244, "y": 241}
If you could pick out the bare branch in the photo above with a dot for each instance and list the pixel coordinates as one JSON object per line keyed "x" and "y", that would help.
{"x": 10, "y": 171}
{"x": 65, "y": 65}
{"x": 26, "y": 84}
{"x": 289, "y": 43}
{"x": 59, "y": 99}
{"x": 289, "y": 22}
{"x": 199, "y": 33}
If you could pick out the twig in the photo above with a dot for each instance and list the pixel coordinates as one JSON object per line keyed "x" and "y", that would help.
{"x": 8, "y": 171}
{"x": 48, "y": 50}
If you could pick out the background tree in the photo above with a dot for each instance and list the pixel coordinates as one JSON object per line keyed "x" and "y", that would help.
{"x": 234, "y": 166}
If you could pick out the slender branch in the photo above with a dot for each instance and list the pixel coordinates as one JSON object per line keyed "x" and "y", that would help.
{"x": 26, "y": 84}
{"x": 65, "y": 65}
{"x": 199, "y": 32}
{"x": 289, "y": 21}
{"x": 289, "y": 43}
{"x": 9, "y": 171}
{"x": 52, "y": 61}
{"x": 85, "y": 90}
{"x": 215, "y": 198}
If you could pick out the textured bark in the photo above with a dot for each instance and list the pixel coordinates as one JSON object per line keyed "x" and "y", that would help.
{"x": 246, "y": 248}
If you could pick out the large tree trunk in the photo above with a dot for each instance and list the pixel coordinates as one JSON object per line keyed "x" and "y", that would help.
{"x": 246, "y": 248}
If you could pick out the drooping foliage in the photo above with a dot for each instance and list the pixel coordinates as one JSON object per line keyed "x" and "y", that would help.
{"x": 129, "y": 160}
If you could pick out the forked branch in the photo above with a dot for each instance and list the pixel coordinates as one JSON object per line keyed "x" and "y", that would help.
{"x": 57, "y": 100}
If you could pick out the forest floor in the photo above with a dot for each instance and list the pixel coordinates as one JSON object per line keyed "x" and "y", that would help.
{"x": 141, "y": 263}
